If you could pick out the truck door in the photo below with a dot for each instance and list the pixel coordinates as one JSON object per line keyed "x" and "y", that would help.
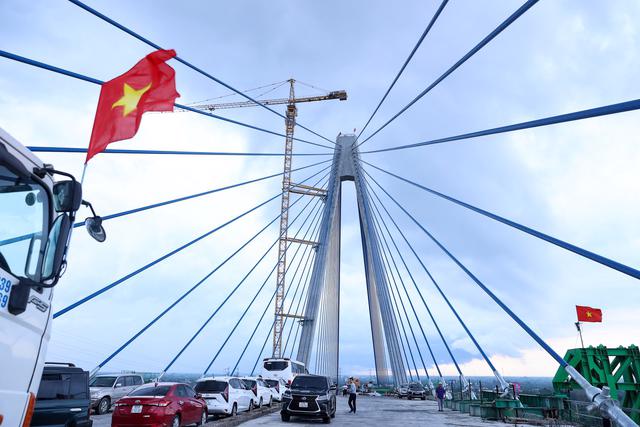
{"x": 24, "y": 215}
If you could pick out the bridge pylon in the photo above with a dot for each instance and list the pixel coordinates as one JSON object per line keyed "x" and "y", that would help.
{"x": 320, "y": 329}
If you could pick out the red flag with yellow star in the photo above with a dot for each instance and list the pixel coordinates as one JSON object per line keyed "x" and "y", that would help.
{"x": 149, "y": 86}
{"x": 588, "y": 314}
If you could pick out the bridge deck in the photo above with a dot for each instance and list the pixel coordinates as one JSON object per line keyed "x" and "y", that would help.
{"x": 382, "y": 411}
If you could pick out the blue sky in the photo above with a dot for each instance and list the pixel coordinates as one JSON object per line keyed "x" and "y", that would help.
{"x": 575, "y": 181}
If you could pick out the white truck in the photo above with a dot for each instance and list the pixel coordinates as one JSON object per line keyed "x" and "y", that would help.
{"x": 36, "y": 218}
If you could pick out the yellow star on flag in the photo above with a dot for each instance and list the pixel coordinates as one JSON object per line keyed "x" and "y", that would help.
{"x": 589, "y": 314}
{"x": 130, "y": 99}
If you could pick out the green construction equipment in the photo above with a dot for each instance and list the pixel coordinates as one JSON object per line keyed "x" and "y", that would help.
{"x": 616, "y": 368}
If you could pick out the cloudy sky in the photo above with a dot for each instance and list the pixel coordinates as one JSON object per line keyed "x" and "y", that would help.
{"x": 575, "y": 181}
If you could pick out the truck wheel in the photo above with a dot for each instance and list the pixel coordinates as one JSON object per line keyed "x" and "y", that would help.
{"x": 103, "y": 406}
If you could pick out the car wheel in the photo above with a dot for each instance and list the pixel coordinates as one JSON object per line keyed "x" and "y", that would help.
{"x": 203, "y": 418}
{"x": 326, "y": 420}
{"x": 176, "y": 421}
{"x": 260, "y": 403}
{"x": 285, "y": 417}
{"x": 234, "y": 410}
{"x": 103, "y": 406}
{"x": 424, "y": 398}
{"x": 270, "y": 402}
{"x": 251, "y": 405}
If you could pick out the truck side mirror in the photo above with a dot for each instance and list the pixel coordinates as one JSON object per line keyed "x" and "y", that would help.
{"x": 67, "y": 196}
{"x": 56, "y": 247}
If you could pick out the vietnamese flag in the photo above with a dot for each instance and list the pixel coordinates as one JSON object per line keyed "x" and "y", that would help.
{"x": 588, "y": 314}
{"x": 149, "y": 86}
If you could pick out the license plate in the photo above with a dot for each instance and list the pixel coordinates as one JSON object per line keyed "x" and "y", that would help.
{"x": 303, "y": 404}
{"x": 136, "y": 409}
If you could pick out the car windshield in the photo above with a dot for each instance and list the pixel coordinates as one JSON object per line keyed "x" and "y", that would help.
{"x": 24, "y": 213}
{"x": 210, "y": 386}
{"x": 160, "y": 390}
{"x": 102, "y": 382}
{"x": 279, "y": 365}
{"x": 416, "y": 387}
{"x": 249, "y": 383}
{"x": 309, "y": 383}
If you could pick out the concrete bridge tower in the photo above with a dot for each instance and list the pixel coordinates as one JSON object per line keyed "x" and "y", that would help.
{"x": 321, "y": 318}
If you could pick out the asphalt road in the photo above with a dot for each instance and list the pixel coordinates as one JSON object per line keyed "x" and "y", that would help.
{"x": 105, "y": 420}
{"x": 372, "y": 411}
{"x": 383, "y": 412}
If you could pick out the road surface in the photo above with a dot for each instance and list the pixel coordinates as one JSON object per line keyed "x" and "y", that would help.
{"x": 383, "y": 412}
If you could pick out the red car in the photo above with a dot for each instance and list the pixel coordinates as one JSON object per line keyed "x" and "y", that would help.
{"x": 160, "y": 405}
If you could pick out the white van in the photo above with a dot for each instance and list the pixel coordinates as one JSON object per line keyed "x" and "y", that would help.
{"x": 36, "y": 217}
{"x": 282, "y": 368}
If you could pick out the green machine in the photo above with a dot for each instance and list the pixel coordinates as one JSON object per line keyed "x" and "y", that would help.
{"x": 616, "y": 368}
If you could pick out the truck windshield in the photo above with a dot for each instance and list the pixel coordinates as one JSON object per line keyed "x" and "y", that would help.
{"x": 103, "y": 382}
{"x": 23, "y": 223}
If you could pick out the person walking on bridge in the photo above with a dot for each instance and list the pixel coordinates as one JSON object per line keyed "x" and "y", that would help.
{"x": 352, "y": 395}
{"x": 440, "y": 393}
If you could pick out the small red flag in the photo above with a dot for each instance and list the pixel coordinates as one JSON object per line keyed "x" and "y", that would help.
{"x": 149, "y": 86}
{"x": 588, "y": 314}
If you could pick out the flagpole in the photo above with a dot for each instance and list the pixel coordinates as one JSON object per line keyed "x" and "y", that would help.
{"x": 580, "y": 332}
{"x": 84, "y": 170}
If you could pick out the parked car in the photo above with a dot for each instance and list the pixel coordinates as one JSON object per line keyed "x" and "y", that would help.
{"x": 260, "y": 390}
{"x": 416, "y": 391}
{"x": 224, "y": 395}
{"x": 277, "y": 387}
{"x": 63, "y": 397}
{"x": 403, "y": 390}
{"x": 309, "y": 396}
{"x": 160, "y": 404}
{"x": 107, "y": 389}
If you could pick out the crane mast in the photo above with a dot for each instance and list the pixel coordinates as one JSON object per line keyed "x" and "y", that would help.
{"x": 290, "y": 122}
{"x": 287, "y": 189}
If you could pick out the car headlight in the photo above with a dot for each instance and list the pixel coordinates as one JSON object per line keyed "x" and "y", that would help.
{"x": 286, "y": 393}
{"x": 323, "y": 398}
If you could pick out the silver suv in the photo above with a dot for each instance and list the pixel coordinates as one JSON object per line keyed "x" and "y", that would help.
{"x": 107, "y": 389}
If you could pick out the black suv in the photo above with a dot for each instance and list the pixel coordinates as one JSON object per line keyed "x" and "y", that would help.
{"x": 416, "y": 391}
{"x": 309, "y": 396}
{"x": 63, "y": 397}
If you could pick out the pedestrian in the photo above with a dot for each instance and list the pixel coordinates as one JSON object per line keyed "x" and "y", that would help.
{"x": 440, "y": 392}
{"x": 352, "y": 395}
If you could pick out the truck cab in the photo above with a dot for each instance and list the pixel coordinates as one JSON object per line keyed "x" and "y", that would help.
{"x": 36, "y": 217}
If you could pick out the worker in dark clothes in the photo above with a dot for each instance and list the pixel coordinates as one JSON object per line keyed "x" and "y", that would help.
{"x": 352, "y": 395}
{"x": 440, "y": 392}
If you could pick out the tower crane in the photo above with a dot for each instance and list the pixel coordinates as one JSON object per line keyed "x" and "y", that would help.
{"x": 287, "y": 189}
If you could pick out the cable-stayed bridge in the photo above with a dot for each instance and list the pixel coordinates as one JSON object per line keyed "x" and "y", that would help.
{"x": 306, "y": 322}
